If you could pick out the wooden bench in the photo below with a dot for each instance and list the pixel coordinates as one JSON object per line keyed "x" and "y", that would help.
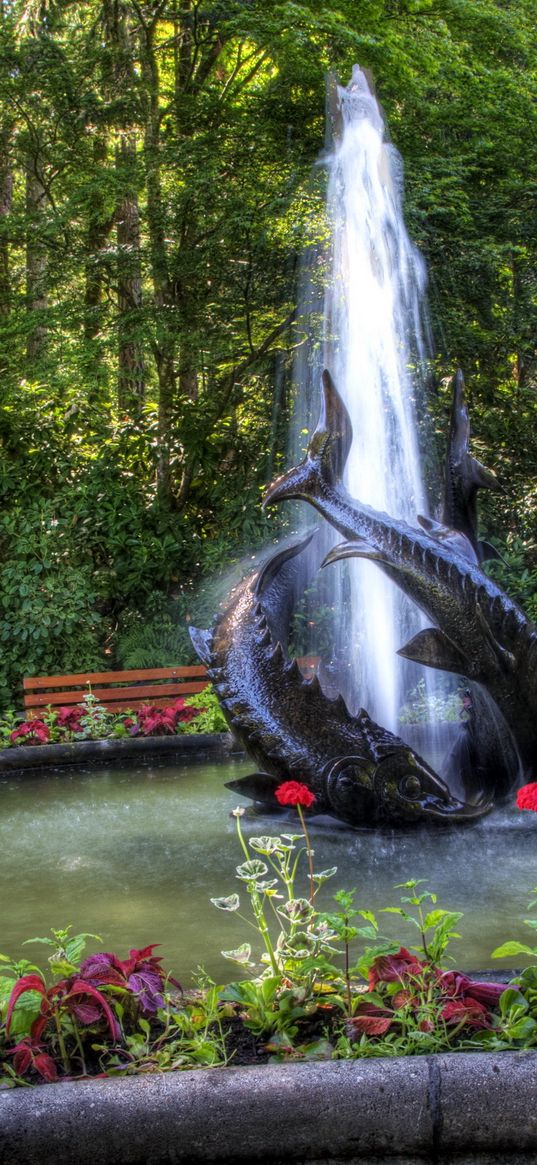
{"x": 121, "y": 690}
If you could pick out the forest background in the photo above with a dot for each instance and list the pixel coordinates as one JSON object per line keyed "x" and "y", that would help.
{"x": 156, "y": 194}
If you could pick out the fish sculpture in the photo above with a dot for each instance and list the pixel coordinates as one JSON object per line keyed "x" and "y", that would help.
{"x": 479, "y": 631}
{"x": 358, "y": 771}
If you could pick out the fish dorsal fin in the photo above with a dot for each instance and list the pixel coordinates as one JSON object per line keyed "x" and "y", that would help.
{"x": 447, "y": 536}
{"x": 202, "y": 643}
{"x": 357, "y": 548}
{"x": 435, "y": 649}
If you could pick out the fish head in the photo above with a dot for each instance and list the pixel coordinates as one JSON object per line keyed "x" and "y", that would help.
{"x": 410, "y": 790}
{"x": 400, "y": 787}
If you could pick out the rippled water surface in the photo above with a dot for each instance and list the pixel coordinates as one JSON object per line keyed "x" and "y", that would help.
{"x": 135, "y": 855}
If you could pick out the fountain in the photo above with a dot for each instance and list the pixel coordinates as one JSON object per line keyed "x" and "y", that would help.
{"x": 374, "y": 342}
{"x": 365, "y": 446}
{"x": 360, "y": 772}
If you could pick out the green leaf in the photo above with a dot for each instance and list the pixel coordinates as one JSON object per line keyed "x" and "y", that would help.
{"x": 240, "y": 955}
{"x": 324, "y": 875}
{"x": 252, "y": 870}
{"x": 512, "y": 948}
{"x": 266, "y": 845}
{"x": 232, "y": 902}
{"x": 511, "y": 998}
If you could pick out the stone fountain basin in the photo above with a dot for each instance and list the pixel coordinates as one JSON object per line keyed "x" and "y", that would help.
{"x": 457, "y": 1108}
{"x": 190, "y": 746}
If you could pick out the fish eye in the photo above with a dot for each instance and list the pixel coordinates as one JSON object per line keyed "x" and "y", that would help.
{"x": 410, "y": 786}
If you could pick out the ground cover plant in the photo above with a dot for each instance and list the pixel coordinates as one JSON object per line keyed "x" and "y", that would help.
{"x": 90, "y": 720}
{"x": 324, "y": 984}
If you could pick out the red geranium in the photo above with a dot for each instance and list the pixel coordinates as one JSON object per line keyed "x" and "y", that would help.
{"x": 526, "y": 797}
{"x": 294, "y": 793}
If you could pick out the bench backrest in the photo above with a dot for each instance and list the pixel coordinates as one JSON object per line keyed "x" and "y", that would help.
{"x": 117, "y": 690}
{"x": 121, "y": 690}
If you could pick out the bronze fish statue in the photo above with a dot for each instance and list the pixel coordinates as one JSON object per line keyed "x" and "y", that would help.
{"x": 358, "y": 771}
{"x": 479, "y": 631}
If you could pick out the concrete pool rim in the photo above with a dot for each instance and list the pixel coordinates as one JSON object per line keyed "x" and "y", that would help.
{"x": 184, "y": 746}
{"x": 189, "y": 747}
{"x": 477, "y": 1107}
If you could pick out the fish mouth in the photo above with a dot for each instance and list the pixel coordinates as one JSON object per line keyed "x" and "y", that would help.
{"x": 433, "y": 802}
{"x": 451, "y": 810}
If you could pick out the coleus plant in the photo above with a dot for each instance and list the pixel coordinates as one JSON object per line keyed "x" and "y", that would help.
{"x": 88, "y": 1001}
{"x": 405, "y": 990}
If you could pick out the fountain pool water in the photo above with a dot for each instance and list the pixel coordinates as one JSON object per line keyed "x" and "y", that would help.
{"x": 134, "y": 855}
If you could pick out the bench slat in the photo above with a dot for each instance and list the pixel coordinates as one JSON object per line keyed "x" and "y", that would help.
{"x": 118, "y": 696}
{"x": 79, "y": 679}
{"x": 144, "y": 694}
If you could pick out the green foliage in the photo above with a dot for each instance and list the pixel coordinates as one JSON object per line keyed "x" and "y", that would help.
{"x": 307, "y": 998}
{"x": 424, "y": 708}
{"x": 153, "y": 641}
{"x": 90, "y": 720}
{"x": 144, "y": 375}
{"x": 210, "y": 718}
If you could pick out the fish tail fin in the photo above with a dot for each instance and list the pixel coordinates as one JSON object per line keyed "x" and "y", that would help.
{"x": 273, "y": 566}
{"x": 326, "y": 455}
{"x": 201, "y": 642}
{"x": 478, "y": 475}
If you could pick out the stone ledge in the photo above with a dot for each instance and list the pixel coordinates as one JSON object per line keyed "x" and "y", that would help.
{"x": 190, "y": 746}
{"x": 474, "y": 1107}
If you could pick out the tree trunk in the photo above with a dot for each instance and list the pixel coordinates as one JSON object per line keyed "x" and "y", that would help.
{"x": 36, "y": 267}
{"x": 6, "y": 194}
{"x": 131, "y": 370}
{"x": 99, "y": 227}
{"x": 165, "y": 340}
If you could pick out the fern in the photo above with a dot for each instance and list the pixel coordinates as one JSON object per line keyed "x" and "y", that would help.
{"x": 159, "y": 644}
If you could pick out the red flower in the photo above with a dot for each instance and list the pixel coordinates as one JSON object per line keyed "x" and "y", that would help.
{"x": 293, "y": 793}
{"x": 526, "y": 797}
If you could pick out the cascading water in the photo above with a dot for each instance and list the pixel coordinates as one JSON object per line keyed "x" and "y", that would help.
{"x": 374, "y": 346}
